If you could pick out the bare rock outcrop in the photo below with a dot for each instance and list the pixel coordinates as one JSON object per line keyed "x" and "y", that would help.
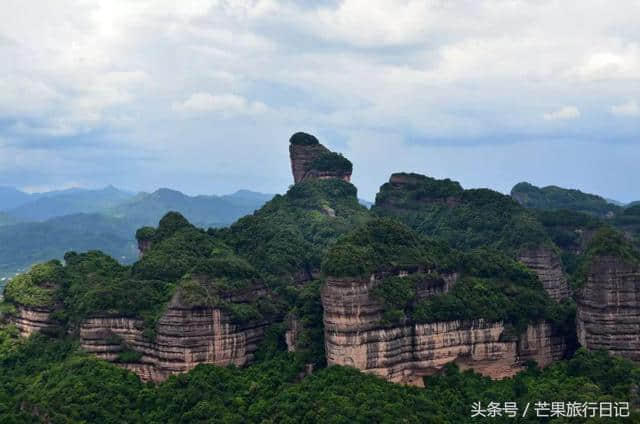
{"x": 184, "y": 337}
{"x": 31, "y": 319}
{"x": 546, "y": 263}
{"x": 608, "y": 315}
{"x": 292, "y": 334}
{"x": 311, "y": 160}
{"x": 355, "y": 335}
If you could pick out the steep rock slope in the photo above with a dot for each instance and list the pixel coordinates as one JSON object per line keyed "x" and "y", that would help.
{"x": 608, "y": 297}
{"x": 546, "y": 263}
{"x": 311, "y": 160}
{"x": 185, "y": 336}
{"x": 356, "y": 336}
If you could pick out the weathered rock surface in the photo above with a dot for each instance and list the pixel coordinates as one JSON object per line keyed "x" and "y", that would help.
{"x": 185, "y": 337}
{"x": 303, "y": 154}
{"x": 31, "y": 320}
{"x": 292, "y": 334}
{"x": 547, "y": 265}
{"x": 143, "y": 246}
{"x": 608, "y": 315}
{"x": 355, "y": 336}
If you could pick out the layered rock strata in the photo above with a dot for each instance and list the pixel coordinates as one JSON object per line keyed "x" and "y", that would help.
{"x": 184, "y": 338}
{"x": 30, "y": 320}
{"x": 608, "y": 315}
{"x": 547, "y": 265}
{"x": 356, "y": 336}
{"x": 304, "y": 149}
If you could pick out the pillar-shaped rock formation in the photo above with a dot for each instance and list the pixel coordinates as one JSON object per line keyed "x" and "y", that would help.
{"x": 311, "y": 160}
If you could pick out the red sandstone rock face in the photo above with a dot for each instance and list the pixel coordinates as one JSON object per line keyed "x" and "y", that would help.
{"x": 30, "y": 320}
{"x": 185, "y": 337}
{"x": 546, "y": 264}
{"x": 302, "y": 155}
{"x": 608, "y": 315}
{"x": 355, "y": 336}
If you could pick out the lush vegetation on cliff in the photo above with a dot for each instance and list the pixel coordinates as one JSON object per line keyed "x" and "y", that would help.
{"x": 464, "y": 219}
{"x": 51, "y": 380}
{"x": 291, "y": 233}
{"x": 303, "y": 139}
{"x": 607, "y": 243}
{"x": 384, "y": 245}
{"x": 38, "y": 287}
{"x": 488, "y": 284}
{"x": 332, "y": 163}
{"x": 555, "y": 198}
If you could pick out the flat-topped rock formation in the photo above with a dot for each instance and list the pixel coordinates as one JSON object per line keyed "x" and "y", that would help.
{"x": 311, "y": 160}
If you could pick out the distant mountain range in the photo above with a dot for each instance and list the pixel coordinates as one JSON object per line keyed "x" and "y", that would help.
{"x": 50, "y": 205}
{"x": 204, "y": 211}
{"x": 557, "y": 198}
{"x": 36, "y": 227}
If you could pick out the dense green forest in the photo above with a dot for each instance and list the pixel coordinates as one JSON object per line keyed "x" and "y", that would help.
{"x": 55, "y": 382}
{"x": 556, "y": 198}
{"x": 464, "y": 219}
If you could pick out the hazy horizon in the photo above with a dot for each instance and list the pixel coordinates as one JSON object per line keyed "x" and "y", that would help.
{"x": 202, "y": 96}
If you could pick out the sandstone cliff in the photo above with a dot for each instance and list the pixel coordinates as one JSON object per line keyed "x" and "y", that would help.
{"x": 184, "y": 337}
{"x": 355, "y": 335}
{"x": 545, "y": 262}
{"x": 31, "y": 319}
{"x": 608, "y": 315}
{"x": 312, "y": 160}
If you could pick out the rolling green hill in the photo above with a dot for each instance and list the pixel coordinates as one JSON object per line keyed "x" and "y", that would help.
{"x": 67, "y": 203}
{"x": 556, "y": 198}
{"x": 112, "y": 231}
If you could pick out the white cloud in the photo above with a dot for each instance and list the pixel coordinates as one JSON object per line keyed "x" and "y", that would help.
{"x": 436, "y": 72}
{"x": 629, "y": 108}
{"x": 565, "y": 112}
{"x": 227, "y": 104}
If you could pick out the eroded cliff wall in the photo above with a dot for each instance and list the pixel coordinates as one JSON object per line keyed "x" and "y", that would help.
{"x": 30, "y": 320}
{"x": 608, "y": 315}
{"x": 184, "y": 338}
{"x": 546, "y": 263}
{"x": 355, "y": 335}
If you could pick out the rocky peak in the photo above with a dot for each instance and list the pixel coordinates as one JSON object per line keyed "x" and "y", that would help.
{"x": 311, "y": 160}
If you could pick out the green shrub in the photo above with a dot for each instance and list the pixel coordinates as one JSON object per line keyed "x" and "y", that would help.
{"x": 303, "y": 139}
{"x": 38, "y": 287}
{"x": 145, "y": 233}
{"x": 129, "y": 356}
{"x": 331, "y": 162}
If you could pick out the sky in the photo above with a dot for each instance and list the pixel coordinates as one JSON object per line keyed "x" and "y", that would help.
{"x": 202, "y": 96}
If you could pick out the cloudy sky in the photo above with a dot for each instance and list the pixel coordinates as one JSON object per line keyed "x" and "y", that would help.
{"x": 202, "y": 96}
